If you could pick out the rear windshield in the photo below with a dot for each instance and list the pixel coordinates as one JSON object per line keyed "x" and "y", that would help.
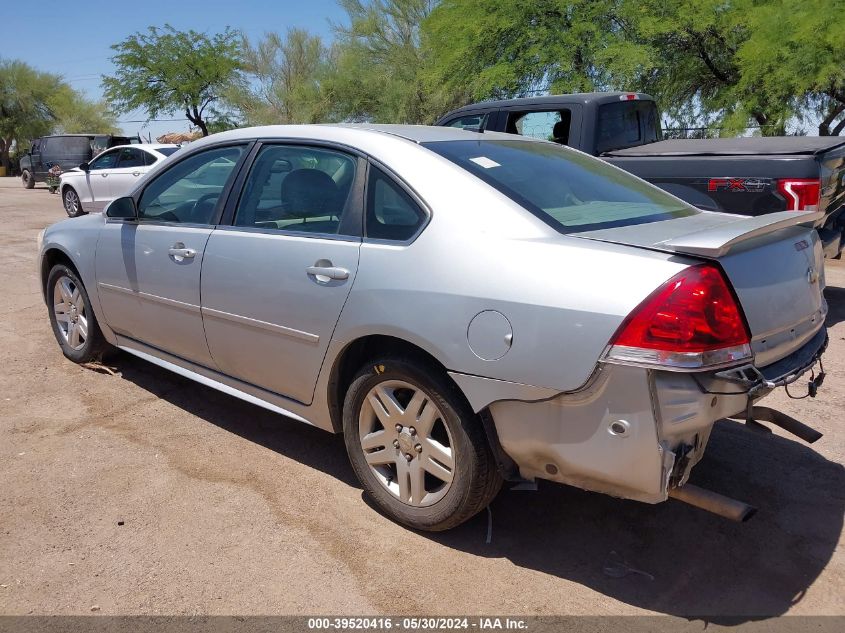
{"x": 167, "y": 151}
{"x": 570, "y": 191}
{"x": 626, "y": 124}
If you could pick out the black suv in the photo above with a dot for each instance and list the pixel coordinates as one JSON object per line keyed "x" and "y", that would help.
{"x": 67, "y": 151}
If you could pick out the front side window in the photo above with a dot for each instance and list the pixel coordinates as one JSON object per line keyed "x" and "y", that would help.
{"x": 130, "y": 157}
{"x": 391, "y": 213}
{"x": 188, "y": 192}
{"x": 471, "y": 121}
{"x": 544, "y": 125}
{"x": 106, "y": 160}
{"x": 301, "y": 189}
{"x": 568, "y": 190}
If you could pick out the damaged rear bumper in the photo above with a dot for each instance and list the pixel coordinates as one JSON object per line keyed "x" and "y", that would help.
{"x": 634, "y": 432}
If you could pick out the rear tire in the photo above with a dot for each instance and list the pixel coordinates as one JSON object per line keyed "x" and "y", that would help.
{"x": 72, "y": 318}
{"x": 27, "y": 179}
{"x": 438, "y": 470}
{"x": 72, "y": 203}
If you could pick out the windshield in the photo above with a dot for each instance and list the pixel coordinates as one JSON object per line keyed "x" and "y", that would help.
{"x": 167, "y": 151}
{"x": 568, "y": 190}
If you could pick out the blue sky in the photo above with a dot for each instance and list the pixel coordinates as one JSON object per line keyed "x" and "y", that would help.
{"x": 73, "y": 38}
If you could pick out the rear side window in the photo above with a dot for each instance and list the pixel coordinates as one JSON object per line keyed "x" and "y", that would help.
{"x": 301, "y": 189}
{"x": 391, "y": 213}
{"x": 568, "y": 190}
{"x": 626, "y": 124}
{"x": 130, "y": 157}
{"x": 544, "y": 125}
{"x": 471, "y": 121}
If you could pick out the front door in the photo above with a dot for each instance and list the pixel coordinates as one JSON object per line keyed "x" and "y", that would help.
{"x": 95, "y": 190}
{"x": 130, "y": 166}
{"x": 148, "y": 270}
{"x": 274, "y": 283}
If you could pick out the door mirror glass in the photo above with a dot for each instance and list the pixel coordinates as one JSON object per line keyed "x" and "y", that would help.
{"x": 122, "y": 208}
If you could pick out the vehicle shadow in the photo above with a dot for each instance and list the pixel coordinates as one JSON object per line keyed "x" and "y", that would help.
{"x": 676, "y": 559}
{"x": 669, "y": 558}
{"x": 836, "y": 305}
{"x": 291, "y": 438}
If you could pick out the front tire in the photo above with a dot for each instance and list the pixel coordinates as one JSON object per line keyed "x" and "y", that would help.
{"x": 73, "y": 321}
{"x": 416, "y": 446}
{"x": 72, "y": 203}
{"x": 27, "y": 179}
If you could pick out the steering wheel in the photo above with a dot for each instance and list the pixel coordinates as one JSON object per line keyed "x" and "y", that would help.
{"x": 198, "y": 208}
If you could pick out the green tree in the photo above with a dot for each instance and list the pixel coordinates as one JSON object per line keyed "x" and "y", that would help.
{"x": 289, "y": 72}
{"x": 379, "y": 65}
{"x": 730, "y": 63}
{"x": 491, "y": 49}
{"x": 166, "y": 71}
{"x": 26, "y": 110}
{"x": 77, "y": 114}
{"x": 793, "y": 61}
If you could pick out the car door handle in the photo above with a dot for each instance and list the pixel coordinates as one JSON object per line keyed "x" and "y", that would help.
{"x": 179, "y": 252}
{"x": 325, "y": 273}
{"x": 136, "y": 173}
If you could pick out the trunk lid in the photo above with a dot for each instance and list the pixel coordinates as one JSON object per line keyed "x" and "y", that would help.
{"x": 774, "y": 263}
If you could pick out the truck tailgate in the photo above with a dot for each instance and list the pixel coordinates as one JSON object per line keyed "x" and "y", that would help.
{"x": 774, "y": 263}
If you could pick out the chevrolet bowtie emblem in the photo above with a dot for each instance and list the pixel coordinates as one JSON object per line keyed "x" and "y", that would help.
{"x": 812, "y": 275}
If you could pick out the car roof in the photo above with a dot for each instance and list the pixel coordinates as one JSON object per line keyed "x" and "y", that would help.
{"x": 549, "y": 100}
{"x": 330, "y": 132}
{"x": 152, "y": 146}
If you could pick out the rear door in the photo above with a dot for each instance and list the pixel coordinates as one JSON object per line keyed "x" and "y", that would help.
{"x": 275, "y": 281}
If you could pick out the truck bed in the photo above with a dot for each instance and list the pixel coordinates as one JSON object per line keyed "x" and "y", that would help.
{"x": 748, "y": 146}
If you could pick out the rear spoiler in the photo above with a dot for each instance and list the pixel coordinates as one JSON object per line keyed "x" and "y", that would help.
{"x": 718, "y": 241}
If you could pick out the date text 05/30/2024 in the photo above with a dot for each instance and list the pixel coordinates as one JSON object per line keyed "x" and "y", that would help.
{"x": 417, "y": 624}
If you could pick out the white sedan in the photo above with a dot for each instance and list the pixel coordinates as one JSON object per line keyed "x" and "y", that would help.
{"x": 91, "y": 186}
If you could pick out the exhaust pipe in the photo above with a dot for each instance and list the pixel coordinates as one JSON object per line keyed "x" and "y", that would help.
{"x": 713, "y": 502}
{"x": 787, "y": 423}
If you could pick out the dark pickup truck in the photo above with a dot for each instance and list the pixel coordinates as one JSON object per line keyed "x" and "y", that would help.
{"x": 747, "y": 176}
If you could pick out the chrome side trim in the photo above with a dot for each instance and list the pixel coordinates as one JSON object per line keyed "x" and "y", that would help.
{"x": 209, "y": 382}
{"x": 179, "y": 305}
{"x": 262, "y": 325}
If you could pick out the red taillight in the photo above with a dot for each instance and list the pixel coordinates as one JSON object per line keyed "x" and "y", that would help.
{"x": 691, "y": 321}
{"x": 802, "y": 194}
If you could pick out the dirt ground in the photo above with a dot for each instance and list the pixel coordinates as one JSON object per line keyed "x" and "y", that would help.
{"x": 144, "y": 493}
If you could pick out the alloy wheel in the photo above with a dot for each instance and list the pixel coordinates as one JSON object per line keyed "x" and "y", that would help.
{"x": 69, "y": 308}
{"x": 406, "y": 443}
{"x": 71, "y": 202}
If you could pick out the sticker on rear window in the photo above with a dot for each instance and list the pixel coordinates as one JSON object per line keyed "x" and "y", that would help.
{"x": 483, "y": 161}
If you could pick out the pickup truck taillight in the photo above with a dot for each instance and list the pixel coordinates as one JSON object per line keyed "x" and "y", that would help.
{"x": 802, "y": 194}
{"x": 692, "y": 321}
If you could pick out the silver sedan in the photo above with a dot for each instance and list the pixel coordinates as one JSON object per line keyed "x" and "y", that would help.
{"x": 465, "y": 308}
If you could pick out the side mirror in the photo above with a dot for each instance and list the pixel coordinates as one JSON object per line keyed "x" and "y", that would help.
{"x": 84, "y": 167}
{"x": 122, "y": 208}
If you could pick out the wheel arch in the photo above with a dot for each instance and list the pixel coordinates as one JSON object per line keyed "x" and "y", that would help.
{"x": 356, "y": 354}
{"x": 52, "y": 256}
